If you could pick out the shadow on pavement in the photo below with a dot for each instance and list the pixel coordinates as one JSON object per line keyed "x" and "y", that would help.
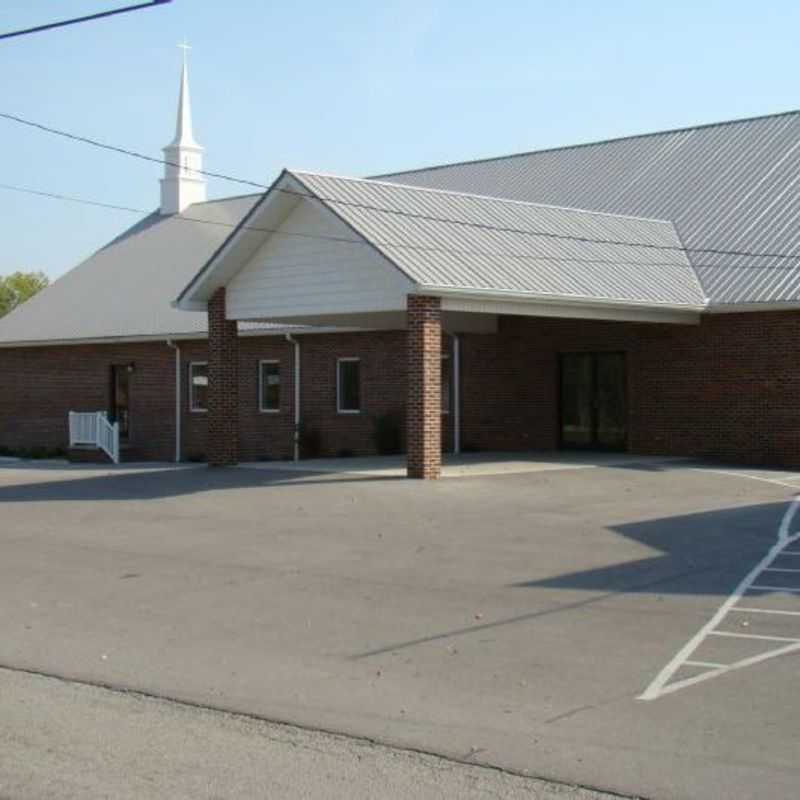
{"x": 162, "y": 483}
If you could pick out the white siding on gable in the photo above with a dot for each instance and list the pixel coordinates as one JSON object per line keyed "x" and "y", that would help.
{"x": 293, "y": 276}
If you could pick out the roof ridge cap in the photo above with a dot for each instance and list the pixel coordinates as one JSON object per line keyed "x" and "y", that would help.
{"x": 509, "y": 200}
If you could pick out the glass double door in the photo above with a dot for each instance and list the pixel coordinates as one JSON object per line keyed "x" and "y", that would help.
{"x": 593, "y": 401}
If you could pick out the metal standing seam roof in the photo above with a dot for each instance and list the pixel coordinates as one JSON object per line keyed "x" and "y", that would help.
{"x": 451, "y": 240}
{"x": 728, "y": 186}
{"x": 125, "y": 288}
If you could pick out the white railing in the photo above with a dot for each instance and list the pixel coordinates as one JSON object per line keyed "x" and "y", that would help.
{"x": 93, "y": 428}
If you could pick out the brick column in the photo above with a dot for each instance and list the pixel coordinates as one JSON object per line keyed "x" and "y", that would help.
{"x": 223, "y": 385}
{"x": 424, "y": 409}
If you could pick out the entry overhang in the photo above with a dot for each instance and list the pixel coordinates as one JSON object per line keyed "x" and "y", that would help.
{"x": 340, "y": 251}
{"x": 571, "y": 308}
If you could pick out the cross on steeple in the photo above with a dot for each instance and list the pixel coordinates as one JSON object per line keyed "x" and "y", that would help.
{"x": 184, "y": 45}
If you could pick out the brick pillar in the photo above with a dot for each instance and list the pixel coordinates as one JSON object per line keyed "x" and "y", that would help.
{"x": 424, "y": 409}
{"x": 223, "y": 385}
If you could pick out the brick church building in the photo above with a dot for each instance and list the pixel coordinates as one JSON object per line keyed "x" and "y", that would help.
{"x": 639, "y": 294}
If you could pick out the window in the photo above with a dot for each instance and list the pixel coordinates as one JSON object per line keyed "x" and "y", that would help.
{"x": 269, "y": 386}
{"x": 348, "y": 386}
{"x": 198, "y": 386}
{"x": 447, "y": 383}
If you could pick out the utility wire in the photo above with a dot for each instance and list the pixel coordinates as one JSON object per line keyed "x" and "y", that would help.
{"x": 123, "y": 151}
{"x": 76, "y": 20}
{"x": 406, "y": 214}
{"x": 382, "y": 244}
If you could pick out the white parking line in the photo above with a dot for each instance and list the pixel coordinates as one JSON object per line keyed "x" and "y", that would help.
{"x": 758, "y": 636}
{"x": 762, "y": 588}
{"x": 780, "y": 569}
{"x": 766, "y": 611}
{"x": 661, "y": 685}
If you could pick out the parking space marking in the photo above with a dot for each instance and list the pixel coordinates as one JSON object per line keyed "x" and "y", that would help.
{"x": 762, "y": 588}
{"x": 734, "y": 635}
{"x": 664, "y": 683}
{"x": 780, "y": 569}
{"x": 766, "y": 611}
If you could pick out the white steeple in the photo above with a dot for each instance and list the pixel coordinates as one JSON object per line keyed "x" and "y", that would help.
{"x": 182, "y": 184}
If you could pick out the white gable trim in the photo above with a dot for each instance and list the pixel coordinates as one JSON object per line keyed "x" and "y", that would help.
{"x": 265, "y": 218}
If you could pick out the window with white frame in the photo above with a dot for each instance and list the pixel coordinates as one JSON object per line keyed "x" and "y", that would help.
{"x": 269, "y": 386}
{"x": 447, "y": 382}
{"x": 198, "y": 386}
{"x": 348, "y": 385}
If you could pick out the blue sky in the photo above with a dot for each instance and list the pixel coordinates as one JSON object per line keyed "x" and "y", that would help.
{"x": 356, "y": 88}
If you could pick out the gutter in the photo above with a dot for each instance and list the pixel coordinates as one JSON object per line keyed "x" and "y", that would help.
{"x": 159, "y": 337}
{"x": 296, "y": 443}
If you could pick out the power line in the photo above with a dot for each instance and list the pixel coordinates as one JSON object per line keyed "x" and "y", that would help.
{"x": 69, "y": 198}
{"x": 122, "y": 150}
{"x": 407, "y": 214}
{"x": 382, "y": 244}
{"x": 87, "y": 18}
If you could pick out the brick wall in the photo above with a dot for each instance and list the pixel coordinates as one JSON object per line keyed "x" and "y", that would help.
{"x": 40, "y": 385}
{"x": 727, "y": 389}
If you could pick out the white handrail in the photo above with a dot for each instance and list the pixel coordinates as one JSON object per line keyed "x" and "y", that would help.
{"x": 93, "y": 428}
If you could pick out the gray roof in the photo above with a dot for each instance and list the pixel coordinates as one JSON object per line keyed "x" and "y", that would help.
{"x": 731, "y": 186}
{"x": 728, "y": 186}
{"x": 125, "y": 288}
{"x": 450, "y": 240}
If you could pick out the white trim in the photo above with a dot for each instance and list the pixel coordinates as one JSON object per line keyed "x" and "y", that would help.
{"x": 487, "y": 304}
{"x": 750, "y": 308}
{"x": 261, "y": 408}
{"x": 183, "y": 337}
{"x": 513, "y": 296}
{"x": 192, "y": 409}
{"x": 339, "y": 362}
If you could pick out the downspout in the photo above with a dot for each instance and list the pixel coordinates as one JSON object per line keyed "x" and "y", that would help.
{"x": 292, "y": 340}
{"x": 177, "y": 350}
{"x": 456, "y": 393}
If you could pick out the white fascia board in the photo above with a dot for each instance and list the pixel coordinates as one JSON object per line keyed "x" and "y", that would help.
{"x": 752, "y": 308}
{"x": 181, "y": 337}
{"x": 499, "y": 302}
{"x": 161, "y": 337}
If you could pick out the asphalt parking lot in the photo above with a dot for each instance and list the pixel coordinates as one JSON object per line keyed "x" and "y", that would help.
{"x": 634, "y": 627}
